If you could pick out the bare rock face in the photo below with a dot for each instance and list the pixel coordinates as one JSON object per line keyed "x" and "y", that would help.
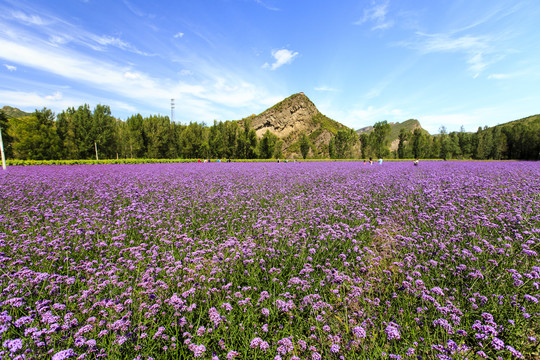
{"x": 290, "y": 116}
{"x": 290, "y": 119}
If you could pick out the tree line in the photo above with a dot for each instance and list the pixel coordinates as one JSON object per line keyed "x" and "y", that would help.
{"x": 520, "y": 141}
{"x": 81, "y": 133}
{"x": 85, "y": 133}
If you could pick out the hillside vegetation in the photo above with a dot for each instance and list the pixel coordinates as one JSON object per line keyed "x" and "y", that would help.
{"x": 12, "y": 112}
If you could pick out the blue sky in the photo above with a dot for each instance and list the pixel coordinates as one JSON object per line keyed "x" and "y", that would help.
{"x": 451, "y": 63}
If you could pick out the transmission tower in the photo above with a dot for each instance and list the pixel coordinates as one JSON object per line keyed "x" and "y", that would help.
{"x": 172, "y": 110}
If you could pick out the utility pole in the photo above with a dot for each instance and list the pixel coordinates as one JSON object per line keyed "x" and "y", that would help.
{"x": 2, "y": 151}
{"x": 95, "y": 145}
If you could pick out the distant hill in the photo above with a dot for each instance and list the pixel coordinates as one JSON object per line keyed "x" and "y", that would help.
{"x": 395, "y": 128}
{"x": 529, "y": 120}
{"x": 12, "y": 112}
{"x": 291, "y": 118}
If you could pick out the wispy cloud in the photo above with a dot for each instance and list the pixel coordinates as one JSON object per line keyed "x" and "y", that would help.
{"x": 110, "y": 41}
{"x": 215, "y": 92}
{"x": 10, "y": 67}
{"x": 29, "y": 19}
{"x": 134, "y": 9}
{"x": 508, "y": 76}
{"x": 266, "y": 6}
{"x": 178, "y": 35}
{"x": 326, "y": 88}
{"x": 282, "y": 57}
{"x": 479, "y": 50}
{"x": 57, "y": 32}
{"x": 377, "y": 15}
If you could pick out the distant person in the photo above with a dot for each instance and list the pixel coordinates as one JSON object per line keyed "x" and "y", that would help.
{"x": 380, "y": 161}
{"x": 415, "y": 162}
{"x": 278, "y": 160}
{"x": 365, "y": 162}
{"x": 370, "y": 161}
{"x": 199, "y": 160}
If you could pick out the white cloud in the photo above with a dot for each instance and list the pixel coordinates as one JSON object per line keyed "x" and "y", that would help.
{"x": 377, "y": 14}
{"x": 84, "y": 69}
{"x": 212, "y": 91}
{"x": 214, "y": 94}
{"x": 10, "y": 67}
{"x": 282, "y": 57}
{"x": 56, "y": 96}
{"x": 132, "y": 75}
{"x": 178, "y": 35}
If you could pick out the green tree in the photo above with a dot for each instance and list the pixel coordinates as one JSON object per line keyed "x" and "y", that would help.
{"x": 267, "y": 145}
{"x": 454, "y": 151}
{"x": 344, "y": 141}
{"x": 304, "y": 145}
{"x": 278, "y": 151}
{"x": 7, "y": 139}
{"x": 444, "y": 146}
{"x": 364, "y": 145}
{"x": 420, "y": 144}
{"x": 122, "y": 139}
{"x": 465, "y": 143}
{"x": 136, "y": 141}
{"x": 216, "y": 140}
{"x": 404, "y": 137}
{"x": 103, "y": 131}
{"x": 252, "y": 144}
{"x": 480, "y": 148}
{"x": 230, "y": 136}
{"x": 380, "y": 132}
{"x": 84, "y": 132}
{"x": 332, "y": 148}
{"x": 192, "y": 139}
{"x": 65, "y": 128}
{"x": 35, "y": 137}
{"x": 247, "y": 142}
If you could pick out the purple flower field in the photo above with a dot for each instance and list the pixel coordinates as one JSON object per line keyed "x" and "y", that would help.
{"x": 327, "y": 260}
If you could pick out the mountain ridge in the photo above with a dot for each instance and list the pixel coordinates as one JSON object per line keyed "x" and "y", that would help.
{"x": 13, "y": 112}
{"x": 292, "y": 117}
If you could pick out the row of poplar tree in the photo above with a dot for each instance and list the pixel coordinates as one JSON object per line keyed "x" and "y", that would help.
{"x": 80, "y": 133}
{"x": 519, "y": 141}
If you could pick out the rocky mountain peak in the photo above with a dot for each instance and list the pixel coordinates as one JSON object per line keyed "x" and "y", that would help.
{"x": 292, "y": 115}
{"x": 290, "y": 119}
